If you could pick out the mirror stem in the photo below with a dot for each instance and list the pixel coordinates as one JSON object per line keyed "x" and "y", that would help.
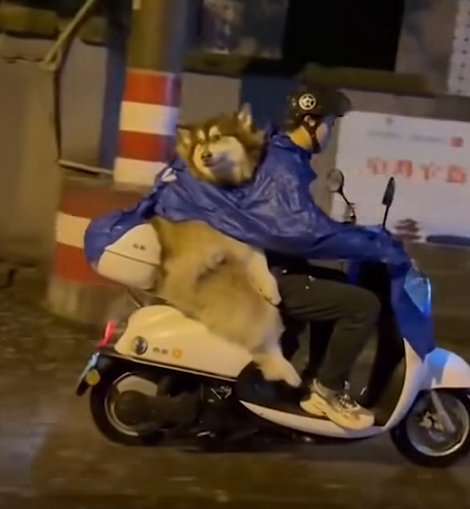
{"x": 349, "y": 204}
{"x": 384, "y": 222}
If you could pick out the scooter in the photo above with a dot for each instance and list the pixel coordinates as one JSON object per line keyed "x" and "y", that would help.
{"x": 156, "y": 372}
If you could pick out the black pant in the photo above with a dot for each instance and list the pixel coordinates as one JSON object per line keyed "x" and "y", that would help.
{"x": 341, "y": 318}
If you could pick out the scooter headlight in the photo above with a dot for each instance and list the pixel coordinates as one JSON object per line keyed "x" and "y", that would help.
{"x": 418, "y": 287}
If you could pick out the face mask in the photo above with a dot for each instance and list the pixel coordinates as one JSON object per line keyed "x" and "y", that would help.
{"x": 320, "y": 131}
{"x": 323, "y": 133}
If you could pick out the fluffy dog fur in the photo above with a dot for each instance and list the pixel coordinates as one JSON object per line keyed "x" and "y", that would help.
{"x": 221, "y": 282}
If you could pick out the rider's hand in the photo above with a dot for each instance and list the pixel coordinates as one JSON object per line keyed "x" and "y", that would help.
{"x": 398, "y": 256}
{"x": 392, "y": 247}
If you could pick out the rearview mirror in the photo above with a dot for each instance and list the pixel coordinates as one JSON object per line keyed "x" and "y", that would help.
{"x": 335, "y": 180}
{"x": 389, "y": 193}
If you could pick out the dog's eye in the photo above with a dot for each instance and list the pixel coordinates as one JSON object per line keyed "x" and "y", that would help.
{"x": 215, "y": 138}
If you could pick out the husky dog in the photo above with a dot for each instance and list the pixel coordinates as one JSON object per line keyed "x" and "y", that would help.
{"x": 219, "y": 281}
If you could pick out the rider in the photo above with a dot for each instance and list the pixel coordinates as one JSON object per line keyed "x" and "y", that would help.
{"x": 275, "y": 212}
{"x": 341, "y": 316}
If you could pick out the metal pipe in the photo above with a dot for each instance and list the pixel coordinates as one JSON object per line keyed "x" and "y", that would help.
{"x": 85, "y": 167}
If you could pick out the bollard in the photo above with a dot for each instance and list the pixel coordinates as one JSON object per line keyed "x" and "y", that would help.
{"x": 152, "y": 91}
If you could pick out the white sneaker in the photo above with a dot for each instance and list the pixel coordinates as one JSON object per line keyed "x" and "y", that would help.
{"x": 339, "y": 407}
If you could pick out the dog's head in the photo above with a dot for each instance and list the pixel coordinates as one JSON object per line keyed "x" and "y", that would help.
{"x": 224, "y": 150}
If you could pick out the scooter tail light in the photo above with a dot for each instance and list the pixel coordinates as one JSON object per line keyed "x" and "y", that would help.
{"x": 113, "y": 332}
{"x": 108, "y": 335}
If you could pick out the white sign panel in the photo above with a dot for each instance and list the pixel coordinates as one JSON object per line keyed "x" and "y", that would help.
{"x": 430, "y": 160}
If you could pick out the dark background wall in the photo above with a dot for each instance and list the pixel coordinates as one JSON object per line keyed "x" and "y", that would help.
{"x": 351, "y": 33}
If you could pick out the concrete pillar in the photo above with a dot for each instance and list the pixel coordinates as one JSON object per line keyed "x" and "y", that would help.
{"x": 427, "y": 39}
{"x": 82, "y": 95}
{"x": 458, "y": 77}
{"x": 151, "y": 99}
{"x": 435, "y": 43}
{"x": 115, "y": 47}
{"x": 114, "y": 88}
{"x": 31, "y": 186}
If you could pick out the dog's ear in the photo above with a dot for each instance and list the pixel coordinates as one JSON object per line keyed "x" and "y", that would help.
{"x": 183, "y": 136}
{"x": 245, "y": 117}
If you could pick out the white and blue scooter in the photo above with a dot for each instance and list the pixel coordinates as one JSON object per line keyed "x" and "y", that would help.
{"x": 157, "y": 371}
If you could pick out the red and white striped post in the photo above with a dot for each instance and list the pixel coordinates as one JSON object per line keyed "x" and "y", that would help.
{"x": 150, "y": 105}
{"x": 149, "y": 113}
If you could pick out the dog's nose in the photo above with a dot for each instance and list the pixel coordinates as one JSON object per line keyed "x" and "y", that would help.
{"x": 206, "y": 156}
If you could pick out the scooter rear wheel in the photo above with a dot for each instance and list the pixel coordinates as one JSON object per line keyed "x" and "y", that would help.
{"x": 418, "y": 438}
{"x": 127, "y": 417}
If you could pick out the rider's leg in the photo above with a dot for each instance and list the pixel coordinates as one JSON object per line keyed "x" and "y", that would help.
{"x": 354, "y": 311}
{"x": 290, "y": 340}
{"x": 319, "y": 338}
{"x": 319, "y": 332}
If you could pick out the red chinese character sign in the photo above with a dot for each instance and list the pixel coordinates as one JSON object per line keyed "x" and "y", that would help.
{"x": 430, "y": 160}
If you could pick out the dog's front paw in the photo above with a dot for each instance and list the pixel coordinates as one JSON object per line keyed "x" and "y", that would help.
{"x": 276, "y": 368}
{"x": 272, "y": 297}
{"x": 270, "y": 292}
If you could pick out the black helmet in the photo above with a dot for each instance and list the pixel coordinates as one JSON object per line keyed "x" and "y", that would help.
{"x": 310, "y": 104}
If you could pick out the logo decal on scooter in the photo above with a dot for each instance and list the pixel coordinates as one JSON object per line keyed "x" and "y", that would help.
{"x": 161, "y": 351}
{"x": 176, "y": 353}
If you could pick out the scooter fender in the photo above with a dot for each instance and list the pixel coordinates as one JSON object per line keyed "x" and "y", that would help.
{"x": 162, "y": 335}
{"x": 99, "y": 362}
{"x": 446, "y": 370}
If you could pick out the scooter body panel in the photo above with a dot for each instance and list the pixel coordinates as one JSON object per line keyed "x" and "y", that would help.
{"x": 446, "y": 370}
{"x": 176, "y": 341}
{"x": 416, "y": 372}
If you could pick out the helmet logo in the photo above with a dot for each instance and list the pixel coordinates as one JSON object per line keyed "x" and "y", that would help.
{"x": 307, "y": 102}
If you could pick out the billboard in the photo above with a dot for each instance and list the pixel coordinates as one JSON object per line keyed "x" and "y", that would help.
{"x": 430, "y": 160}
{"x": 243, "y": 27}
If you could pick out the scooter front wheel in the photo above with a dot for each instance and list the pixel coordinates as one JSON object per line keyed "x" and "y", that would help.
{"x": 422, "y": 438}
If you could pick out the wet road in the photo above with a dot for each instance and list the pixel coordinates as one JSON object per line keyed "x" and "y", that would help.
{"x": 52, "y": 457}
